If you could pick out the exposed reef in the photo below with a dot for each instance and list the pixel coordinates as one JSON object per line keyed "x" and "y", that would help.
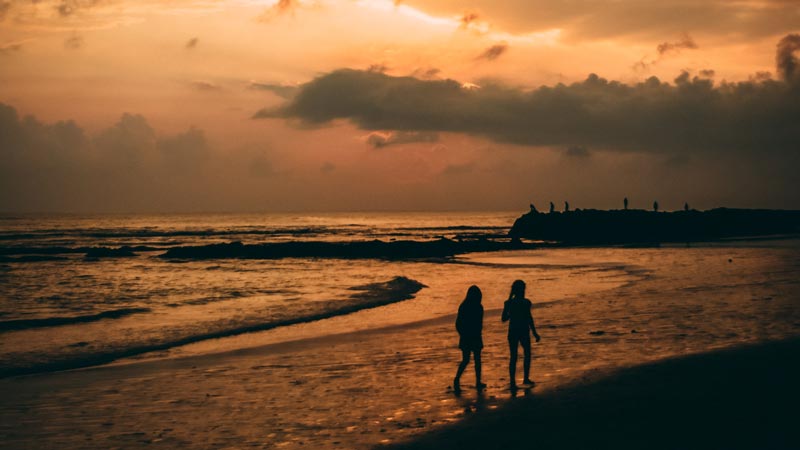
{"x": 395, "y": 250}
{"x": 591, "y": 226}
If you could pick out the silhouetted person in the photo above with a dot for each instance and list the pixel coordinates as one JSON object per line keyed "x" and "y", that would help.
{"x": 469, "y": 324}
{"x": 686, "y": 206}
{"x": 517, "y": 311}
{"x": 566, "y": 206}
{"x": 533, "y": 208}
{"x": 655, "y": 206}
{"x": 552, "y": 207}
{"x": 625, "y": 203}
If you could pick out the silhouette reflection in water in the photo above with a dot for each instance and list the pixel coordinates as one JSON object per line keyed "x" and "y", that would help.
{"x": 469, "y": 324}
{"x": 517, "y": 312}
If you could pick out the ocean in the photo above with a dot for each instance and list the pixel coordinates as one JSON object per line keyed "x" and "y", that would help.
{"x": 336, "y": 352}
{"x": 60, "y": 308}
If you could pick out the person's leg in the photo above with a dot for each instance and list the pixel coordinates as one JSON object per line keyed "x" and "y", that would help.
{"x": 526, "y": 349}
{"x": 512, "y": 363}
{"x": 478, "y": 383}
{"x": 461, "y": 367}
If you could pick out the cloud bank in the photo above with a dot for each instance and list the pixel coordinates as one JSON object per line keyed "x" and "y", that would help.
{"x": 689, "y": 115}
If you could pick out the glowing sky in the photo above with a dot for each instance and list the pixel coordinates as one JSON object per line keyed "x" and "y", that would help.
{"x": 245, "y": 105}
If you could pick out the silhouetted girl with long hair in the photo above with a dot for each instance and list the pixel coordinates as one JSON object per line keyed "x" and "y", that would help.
{"x": 469, "y": 324}
{"x": 517, "y": 311}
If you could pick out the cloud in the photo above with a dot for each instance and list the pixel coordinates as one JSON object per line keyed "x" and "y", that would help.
{"x": 5, "y": 6}
{"x": 581, "y": 20}
{"x": 494, "y": 52}
{"x": 280, "y": 8}
{"x": 281, "y": 90}
{"x": 73, "y": 42}
{"x": 666, "y": 49}
{"x": 692, "y": 114}
{"x": 468, "y": 18}
{"x": 128, "y": 166}
{"x": 11, "y": 47}
{"x": 385, "y": 139}
{"x": 785, "y": 59}
{"x": 459, "y": 169}
{"x": 67, "y": 8}
{"x": 191, "y": 43}
{"x": 707, "y": 73}
{"x": 327, "y": 167}
{"x": 378, "y": 68}
{"x": 577, "y": 151}
{"x": 205, "y": 86}
{"x": 426, "y": 73}
{"x": 686, "y": 42}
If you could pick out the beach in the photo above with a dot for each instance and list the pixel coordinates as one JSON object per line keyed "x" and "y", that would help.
{"x": 382, "y": 376}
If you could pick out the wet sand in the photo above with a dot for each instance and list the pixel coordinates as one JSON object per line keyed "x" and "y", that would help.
{"x": 745, "y": 398}
{"x": 391, "y": 385}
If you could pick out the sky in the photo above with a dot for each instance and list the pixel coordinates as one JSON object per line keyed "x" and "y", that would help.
{"x": 117, "y": 106}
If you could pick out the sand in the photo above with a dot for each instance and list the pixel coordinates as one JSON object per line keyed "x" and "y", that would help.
{"x": 391, "y": 386}
{"x": 743, "y": 398}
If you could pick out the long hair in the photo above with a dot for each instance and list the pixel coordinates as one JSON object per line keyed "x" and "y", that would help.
{"x": 474, "y": 295}
{"x": 517, "y": 290}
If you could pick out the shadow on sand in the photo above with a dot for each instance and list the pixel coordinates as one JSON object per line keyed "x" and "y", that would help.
{"x": 744, "y": 398}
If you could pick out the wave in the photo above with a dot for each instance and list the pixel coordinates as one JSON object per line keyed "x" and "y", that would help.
{"x": 25, "y": 324}
{"x": 366, "y": 296}
{"x": 139, "y": 233}
{"x": 91, "y": 252}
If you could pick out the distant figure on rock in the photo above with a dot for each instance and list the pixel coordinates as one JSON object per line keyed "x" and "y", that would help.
{"x": 533, "y": 208}
{"x": 469, "y": 324}
{"x": 625, "y": 203}
{"x": 552, "y": 207}
{"x": 655, "y": 206}
{"x": 686, "y": 206}
{"x": 517, "y": 312}
{"x": 566, "y": 206}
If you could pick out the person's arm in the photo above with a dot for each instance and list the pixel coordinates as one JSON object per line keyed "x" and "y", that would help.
{"x": 480, "y": 321}
{"x": 533, "y": 325}
{"x": 459, "y": 321}
{"x": 505, "y": 315}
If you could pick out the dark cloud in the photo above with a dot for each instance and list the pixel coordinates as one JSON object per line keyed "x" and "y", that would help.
{"x": 468, "y": 18}
{"x": 685, "y": 43}
{"x": 785, "y": 58}
{"x": 426, "y": 73}
{"x": 191, "y": 43}
{"x": 494, "y": 52}
{"x": 5, "y": 6}
{"x": 459, "y": 169}
{"x": 385, "y": 139}
{"x": 707, "y": 73}
{"x": 69, "y": 7}
{"x": 692, "y": 114}
{"x": 664, "y": 50}
{"x": 577, "y": 151}
{"x": 378, "y": 68}
{"x": 125, "y": 167}
{"x": 73, "y": 42}
{"x": 281, "y": 90}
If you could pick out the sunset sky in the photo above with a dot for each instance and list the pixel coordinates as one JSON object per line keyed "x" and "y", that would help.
{"x": 328, "y": 105}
